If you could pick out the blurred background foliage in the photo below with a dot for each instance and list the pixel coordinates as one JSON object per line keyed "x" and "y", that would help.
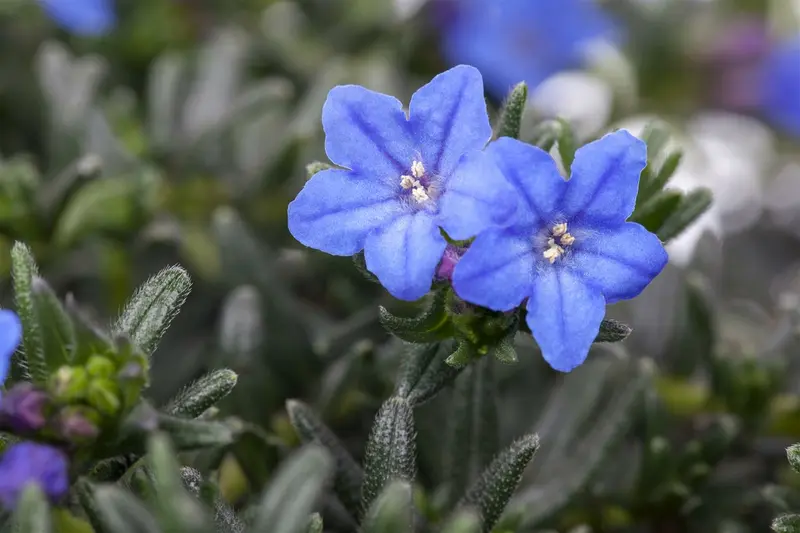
{"x": 180, "y": 137}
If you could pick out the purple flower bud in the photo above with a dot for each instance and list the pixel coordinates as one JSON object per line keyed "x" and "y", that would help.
{"x": 29, "y": 462}
{"x": 452, "y": 254}
{"x": 23, "y": 409}
{"x": 75, "y": 426}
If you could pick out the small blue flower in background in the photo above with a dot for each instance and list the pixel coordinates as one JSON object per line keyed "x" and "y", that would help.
{"x": 403, "y": 179}
{"x": 10, "y": 336}
{"x": 28, "y": 462}
{"x": 88, "y": 18}
{"x": 780, "y": 86}
{"x": 521, "y": 40}
{"x": 570, "y": 251}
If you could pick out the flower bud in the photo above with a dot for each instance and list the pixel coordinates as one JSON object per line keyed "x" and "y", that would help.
{"x": 70, "y": 383}
{"x": 23, "y": 409}
{"x": 78, "y": 424}
{"x": 103, "y": 395}
{"x": 100, "y": 367}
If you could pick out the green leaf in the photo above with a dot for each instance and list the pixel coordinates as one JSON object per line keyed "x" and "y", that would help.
{"x": 549, "y": 132}
{"x": 23, "y": 269}
{"x": 58, "y": 331}
{"x": 348, "y": 476}
{"x": 612, "y": 331}
{"x": 314, "y": 523}
{"x": 491, "y": 494}
{"x": 148, "y": 313}
{"x": 119, "y": 511}
{"x": 66, "y": 522}
{"x": 566, "y": 146}
{"x": 285, "y": 506}
{"x": 431, "y": 325}
{"x": 90, "y": 338}
{"x": 392, "y": 511}
{"x": 197, "y": 434}
{"x": 505, "y": 351}
{"x": 32, "y": 514}
{"x": 254, "y": 449}
{"x": 511, "y": 117}
{"x": 194, "y": 399}
{"x": 178, "y": 511}
{"x": 473, "y": 435}
{"x": 667, "y": 170}
{"x": 361, "y": 265}
{"x": 793, "y": 454}
{"x": 788, "y": 523}
{"x": 426, "y": 372}
{"x": 315, "y": 167}
{"x": 656, "y": 210}
{"x": 463, "y": 521}
{"x": 391, "y": 450}
{"x": 464, "y": 354}
{"x": 54, "y": 194}
{"x": 690, "y": 209}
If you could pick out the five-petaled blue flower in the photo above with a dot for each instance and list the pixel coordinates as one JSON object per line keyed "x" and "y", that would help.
{"x": 522, "y": 40}
{"x": 403, "y": 179}
{"x": 780, "y": 86}
{"x": 28, "y": 462}
{"x": 570, "y": 251}
{"x": 82, "y": 17}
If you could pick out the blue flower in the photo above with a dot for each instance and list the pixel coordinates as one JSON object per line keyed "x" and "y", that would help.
{"x": 29, "y": 462}
{"x": 403, "y": 179}
{"x": 10, "y": 336}
{"x": 522, "y": 40}
{"x": 570, "y": 251}
{"x": 82, "y": 17}
{"x": 780, "y": 86}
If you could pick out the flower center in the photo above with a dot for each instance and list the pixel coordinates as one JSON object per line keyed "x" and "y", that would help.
{"x": 416, "y": 183}
{"x": 559, "y": 240}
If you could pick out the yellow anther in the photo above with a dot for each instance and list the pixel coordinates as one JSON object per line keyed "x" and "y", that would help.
{"x": 553, "y": 253}
{"x": 417, "y": 169}
{"x": 559, "y": 229}
{"x": 567, "y": 239}
{"x": 407, "y": 182}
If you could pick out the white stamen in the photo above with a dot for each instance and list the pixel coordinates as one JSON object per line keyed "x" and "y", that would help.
{"x": 420, "y": 194}
{"x": 417, "y": 169}
{"x": 408, "y": 182}
{"x": 558, "y": 240}
{"x": 559, "y": 229}
{"x": 567, "y": 239}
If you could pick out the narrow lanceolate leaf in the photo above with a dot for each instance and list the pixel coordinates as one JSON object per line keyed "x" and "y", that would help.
{"x": 690, "y": 209}
{"x": 566, "y": 146}
{"x": 793, "y": 454}
{"x": 58, "y": 332}
{"x": 285, "y": 506}
{"x": 315, "y": 167}
{"x": 432, "y": 325}
{"x": 426, "y": 372}
{"x": 23, "y": 269}
{"x": 348, "y": 475}
{"x": 149, "y": 312}
{"x": 473, "y": 433}
{"x": 392, "y": 511}
{"x": 657, "y": 209}
{"x": 612, "y": 331}
{"x": 119, "y": 511}
{"x": 32, "y": 514}
{"x": 391, "y": 449}
{"x": 663, "y": 174}
{"x": 513, "y": 110}
{"x": 788, "y": 523}
{"x": 490, "y": 495}
{"x": 179, "y": 512}
{"x": 197, "y": 434}
{"x": 464, "y": 354}
{"x": 193, "y": 400}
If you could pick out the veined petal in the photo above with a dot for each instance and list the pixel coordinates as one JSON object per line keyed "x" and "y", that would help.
{"x": 605, "y": 179}
{"x": 564, "y": 315}
{"x": 497, "y": 271}
{"x": 337, "y": 209}
{"x": 368, "y": 132}
{"x": 619, "y": 262}
{"x": 448, "y": 117}
{"x": 404, "y": 254}
{"x": 82, "y": 17}
{"x": 534, "y": 175}
{"x": 10, "y": 337}
{"x": 476, "y": 197}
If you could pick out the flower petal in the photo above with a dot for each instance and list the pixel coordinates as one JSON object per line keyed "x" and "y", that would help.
{"x": 534, "y": 175}
{"x": 619, "y": 262}
{"x": 497, "y": 271}
{"x": 605, "y": 179}
{"x": 337, "y": 209}
{"x": 476, "y": 197}
{"x": 448, "y": 117}
{"x": 780, "y": 86}
{"x": 404, "y": 254}
{"x": 10, "y": 337}
{"x": 564, "y": 315}
{"x": 368, "y": 132}
{"x": 82, "y": 17}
